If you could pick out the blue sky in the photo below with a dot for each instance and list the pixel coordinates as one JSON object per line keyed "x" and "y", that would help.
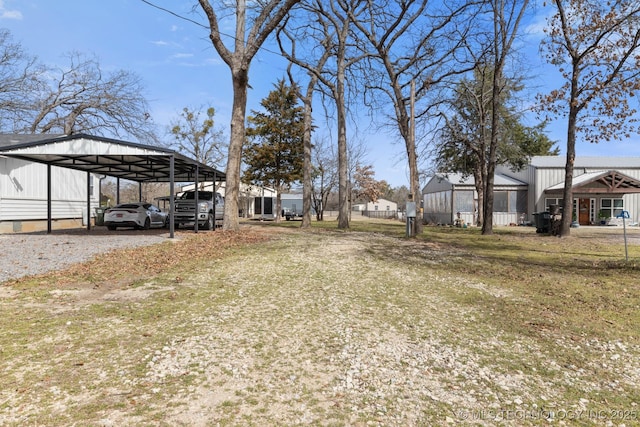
{"x": 180, "y": 68}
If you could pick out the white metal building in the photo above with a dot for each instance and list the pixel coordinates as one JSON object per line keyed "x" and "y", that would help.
{"x": 602, "y": 188}
{"x": 381, "y": 208}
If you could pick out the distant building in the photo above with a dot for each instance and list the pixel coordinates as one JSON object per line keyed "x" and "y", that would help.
{"x": 254, "y": 201}
{"x": 381, "y": 208}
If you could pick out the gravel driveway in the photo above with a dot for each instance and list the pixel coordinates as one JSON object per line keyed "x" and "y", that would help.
{"x": 36, "y": 253}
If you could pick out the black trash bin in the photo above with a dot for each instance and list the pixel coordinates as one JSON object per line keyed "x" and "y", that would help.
{"x": 543, "y": 221}
{"x": 100, "y": 216}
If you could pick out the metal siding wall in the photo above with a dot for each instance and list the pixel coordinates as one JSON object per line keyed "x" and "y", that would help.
{"x": 632, "y": 205}
{"x": 68, "y": 184}
{"x": 506, "y": 218}
{"x": 528, "y": 176}
{"x": 22, "y": 179}
{"x": 23, "y": 191}
{"x": 545, "y": 179}
{"x": 437, "y": 218}
{"x": 29, "y": 209}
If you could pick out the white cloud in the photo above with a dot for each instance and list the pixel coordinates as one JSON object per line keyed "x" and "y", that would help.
{"x": 535, "y": 28}
{"x": 182, "y": 55}
{"x": 9, "y": 14}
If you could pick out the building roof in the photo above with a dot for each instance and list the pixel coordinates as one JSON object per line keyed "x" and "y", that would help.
{"x": 591, "y": 162}
{"x": 459, "y": 179}
{"x": 612, "y": 182}
{"x": 106, "y": 156}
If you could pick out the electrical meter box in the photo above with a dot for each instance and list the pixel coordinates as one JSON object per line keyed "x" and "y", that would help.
{"x": 411, "y": 209}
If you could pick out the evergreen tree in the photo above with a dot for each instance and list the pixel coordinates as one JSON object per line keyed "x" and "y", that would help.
{"x": 274, "y": 153}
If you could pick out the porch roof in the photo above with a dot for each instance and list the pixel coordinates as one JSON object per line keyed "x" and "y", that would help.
{"x": 602, "y": 182}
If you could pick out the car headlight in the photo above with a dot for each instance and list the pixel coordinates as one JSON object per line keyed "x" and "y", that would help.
{"x": 203, "y": 207}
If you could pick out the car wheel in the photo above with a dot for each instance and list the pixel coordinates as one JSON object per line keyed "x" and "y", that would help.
{"x": 147, "y": 224}
{"x": 209, "y": 224}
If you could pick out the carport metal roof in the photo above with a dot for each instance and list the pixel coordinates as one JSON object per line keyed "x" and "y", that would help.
{"x": 106, "y": 156}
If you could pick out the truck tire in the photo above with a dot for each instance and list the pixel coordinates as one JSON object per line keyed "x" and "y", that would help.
{"x": 209, "y": 224}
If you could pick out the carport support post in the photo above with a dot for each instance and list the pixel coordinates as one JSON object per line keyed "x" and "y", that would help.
{"x": 48, "y": 199}
{"x": 195, "y": 226}
{"x": 171, "y": 196}
{"x": 88, "y": 201}
{"x": 215, "y": 201}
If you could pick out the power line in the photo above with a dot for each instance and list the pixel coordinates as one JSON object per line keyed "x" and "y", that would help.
{"x": 202, "y": 25}
{"x": 177, "y": 15}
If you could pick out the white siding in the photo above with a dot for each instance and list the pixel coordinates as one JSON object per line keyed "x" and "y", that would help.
{"x": 33, "y": 209}
{"x": 23, "y": 191}
{"x": 383, "y": 205}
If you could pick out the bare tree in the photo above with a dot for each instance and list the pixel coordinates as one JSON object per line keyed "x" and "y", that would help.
{"x": 307, "y": 174}
{"x": 199, "y": 138}
{"x": 313, "y": 69}
{"x": 307, "y": 101}
{"x": 263, "y": 18}
{"x": 324, "y": 176}
{"x": 414, "y": 46}
{"x": 20, "y": 78}
{"x": 595, "y": 45}
{"x": 507, "y": 15}
{"x": 125, "y": 191}
{"x": 81, "y": 98}
{"x": 328, "y": 28}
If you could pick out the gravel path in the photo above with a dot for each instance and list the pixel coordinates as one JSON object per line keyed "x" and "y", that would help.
{"x": 37, "y": 253}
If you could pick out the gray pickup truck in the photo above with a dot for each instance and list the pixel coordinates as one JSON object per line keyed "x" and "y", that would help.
{"x": 210, "y": 207}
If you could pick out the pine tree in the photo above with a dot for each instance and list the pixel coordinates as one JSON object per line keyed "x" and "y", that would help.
{"x": 274, "y": 153}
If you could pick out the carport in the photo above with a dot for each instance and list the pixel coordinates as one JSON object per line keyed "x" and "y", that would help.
{"x": 110, "y": 157}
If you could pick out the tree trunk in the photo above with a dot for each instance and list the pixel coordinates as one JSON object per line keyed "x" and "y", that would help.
{"x": 567, "y": 195}
{"x": 415, "y": 185}
{"x": 343, "y": 173}
{"x": 306, "y": 174}
{"x": 479, "y": 181}
{"x": 240, "y": 78}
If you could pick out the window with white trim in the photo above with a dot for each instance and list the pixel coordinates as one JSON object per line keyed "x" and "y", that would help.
{"x": 611, "y": 207}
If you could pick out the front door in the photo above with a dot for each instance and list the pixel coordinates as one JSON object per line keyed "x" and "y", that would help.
{"x": 583, "y": 212}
